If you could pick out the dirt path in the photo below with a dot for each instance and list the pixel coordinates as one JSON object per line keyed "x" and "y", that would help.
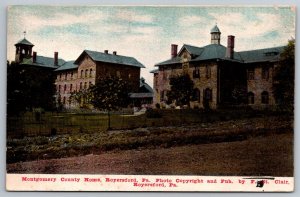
{"x": 269, "y": 155}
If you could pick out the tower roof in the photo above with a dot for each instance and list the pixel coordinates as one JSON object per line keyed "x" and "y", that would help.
{"x": 215, "y": 29}
{"x": 24, "y": 41}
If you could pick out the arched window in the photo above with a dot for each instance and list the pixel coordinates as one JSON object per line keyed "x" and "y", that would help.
{"x": 265, "y": 97}
{"x": 81, "y": 74}
{"x": 71, "y": 87}
{"x": 85, "y": 84}
{"x": 59, "y": 88}
{"x": 65, "y": 87}
{"x": 86, "y": 73}
{"x": 250, "y": 98}
{"x": 64, "y": 100}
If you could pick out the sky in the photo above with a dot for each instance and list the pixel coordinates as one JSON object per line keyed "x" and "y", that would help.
{"x": 144, "y": 32}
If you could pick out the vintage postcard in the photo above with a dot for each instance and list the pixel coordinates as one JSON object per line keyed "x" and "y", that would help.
{"x": 150, "y": 98}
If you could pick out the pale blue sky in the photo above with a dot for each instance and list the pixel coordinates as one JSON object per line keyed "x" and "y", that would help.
{"x": 145, "y": 33}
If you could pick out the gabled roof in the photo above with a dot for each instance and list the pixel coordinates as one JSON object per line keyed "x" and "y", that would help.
{"x": 67, "y": 66}
{"x": 110, "y": 58}
{"x": 174, "y": 60}
{"x": 24, "y": 41}
{"x": 261, "y": 55}
{"x": 41, "y": 61}
{"x": 193, "y": 50}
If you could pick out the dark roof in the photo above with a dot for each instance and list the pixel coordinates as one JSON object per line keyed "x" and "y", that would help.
{"x": 141, "y": 95}
{"x": 170, "y": 61}
{"x": 24, "y": 41}
{"x": 110, "y": 58}
{"x": 261, "y": 55}
{"x": 215, "y": 29}
{"x": 67, "y": 66}
{"x": 42, "y": 61}
{"x": 212, "y": 51}
{"x": 217, "y": 51}
{"x": 154, "y": 71}
{"x": 144, "y": 85}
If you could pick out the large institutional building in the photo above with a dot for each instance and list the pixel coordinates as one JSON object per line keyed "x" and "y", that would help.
{"x": 78, "y": 75}
{"x": 220, "y": 74}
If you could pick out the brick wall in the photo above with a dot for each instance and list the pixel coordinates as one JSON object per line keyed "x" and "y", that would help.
{"x": 261, "y": 84}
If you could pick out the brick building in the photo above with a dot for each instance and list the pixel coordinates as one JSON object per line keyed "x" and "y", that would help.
{"x": 78, "y": 75}
{"x": 71, "y": 76}
{"x": 221, "y": 75}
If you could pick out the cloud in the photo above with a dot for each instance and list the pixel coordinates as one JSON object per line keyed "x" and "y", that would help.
{"x": 130, "y": 16}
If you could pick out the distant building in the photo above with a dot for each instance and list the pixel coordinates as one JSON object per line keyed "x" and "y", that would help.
{"x": 221, "y": 75}
{"x": 144, "y": 96}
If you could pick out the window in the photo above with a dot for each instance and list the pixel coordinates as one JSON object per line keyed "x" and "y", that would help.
{"x": 90, "y": 84}
{"x": 250, "y": 98}
{"x": 81, "y": 74}
{"x": 91, "y": 71}
{"x": 250, "y": 73}
{"x": 59, "y": 76}
{"x": 80, "y": 87}
{"x": 265, "y": 97}
{"x": 65, "y": 87}
{"x": 64, "y": 100}
{"x": 208, "y": 72}
{"x": 85, "y": 84}
{"x": 208, "y": 94}
{"x": 265, "y": 73}
{"x": 59, "y": 88}
{"x": 86, "y": 73}
{"x": 71, "y": 87}
{"x": 196, "y": 73}
{"x": 196, "y": 95}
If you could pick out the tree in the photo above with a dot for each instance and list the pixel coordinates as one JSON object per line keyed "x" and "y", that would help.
{"x": 284, "y": 78}
{"x": 182, "y": 88}
{"x": 82, "y": 97}
{"x": 29, "y": 87}
{"x": 110, "y": 94}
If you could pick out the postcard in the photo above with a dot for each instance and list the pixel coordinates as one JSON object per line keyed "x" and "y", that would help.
{"x": 150, "y": 98}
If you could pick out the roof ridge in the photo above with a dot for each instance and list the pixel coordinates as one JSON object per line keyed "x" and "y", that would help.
{"x": 262, "y": 49}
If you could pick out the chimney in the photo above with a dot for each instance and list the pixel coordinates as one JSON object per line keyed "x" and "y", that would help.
{"x": 34, "y": 57}
{"x": 106, "y": 51}
{"x": 173, "y": 50}
{"x": 55, "y": 58}
{"x": 230, "y": 47}
{"x": 115, "y": 52}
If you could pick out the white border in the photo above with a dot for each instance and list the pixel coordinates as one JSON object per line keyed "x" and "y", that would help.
{"x": 4, "y": 3}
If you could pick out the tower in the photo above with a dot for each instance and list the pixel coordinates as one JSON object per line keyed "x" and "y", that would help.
{"x": 23, "y": 49}
{"x": 215, "y": 35}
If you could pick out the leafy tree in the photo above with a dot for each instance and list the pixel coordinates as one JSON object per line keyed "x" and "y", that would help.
{"x": 284, "y": 78}
{"x": 82, "y": 97}
{"x": 110, "y": 94}
{"x": 181, "y": 90}
{"x": 29, "y": 87}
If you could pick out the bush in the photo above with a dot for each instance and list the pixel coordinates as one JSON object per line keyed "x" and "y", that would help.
{"x": 157, "y": 105}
